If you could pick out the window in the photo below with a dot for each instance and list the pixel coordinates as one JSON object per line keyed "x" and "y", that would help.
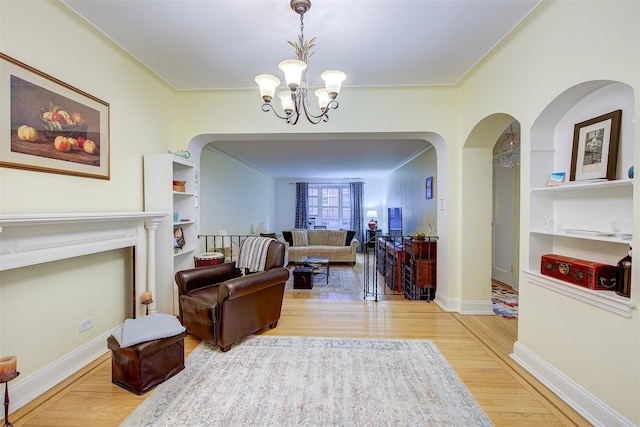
{"x": 330, "y": 205}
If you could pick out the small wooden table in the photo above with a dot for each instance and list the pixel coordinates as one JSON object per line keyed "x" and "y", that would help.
{"x": 316, "y": 263}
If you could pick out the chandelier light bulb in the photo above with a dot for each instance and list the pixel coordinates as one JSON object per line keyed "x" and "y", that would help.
{"x": 333, "y": 81}
{"x": 286, "y": 98}
{"x": 323, "y": 98}
{"x": 293, "y": 69}
{"x": 268, "y": 85}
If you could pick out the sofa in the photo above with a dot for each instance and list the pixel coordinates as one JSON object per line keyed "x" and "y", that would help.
{"x": 221, "y": 305}
{"x": 340, "y": 246}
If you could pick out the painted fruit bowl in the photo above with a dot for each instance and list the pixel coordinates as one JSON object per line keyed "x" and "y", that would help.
{"x": 52, "y": 129}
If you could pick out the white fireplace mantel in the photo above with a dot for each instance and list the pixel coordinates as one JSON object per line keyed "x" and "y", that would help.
{"x": 30, "y": 239}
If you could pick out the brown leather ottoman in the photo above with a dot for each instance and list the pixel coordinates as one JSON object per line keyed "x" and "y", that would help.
{"x": 139, "y": 368}
{"x": 303, "y": 278}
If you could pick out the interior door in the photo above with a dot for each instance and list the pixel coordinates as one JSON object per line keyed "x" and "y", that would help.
{"x": 503, "y": 225}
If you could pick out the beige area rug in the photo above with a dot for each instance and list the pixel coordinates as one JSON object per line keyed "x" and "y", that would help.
{"x": 342, "y": 279}
{"x": 311, "y": 381}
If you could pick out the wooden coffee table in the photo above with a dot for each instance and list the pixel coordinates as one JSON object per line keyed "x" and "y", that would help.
{"x": 317, "y": 263}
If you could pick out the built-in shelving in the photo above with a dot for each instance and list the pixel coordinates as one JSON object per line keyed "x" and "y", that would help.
{"x": 575, "y": 218}
{"x": 160, "y": 170}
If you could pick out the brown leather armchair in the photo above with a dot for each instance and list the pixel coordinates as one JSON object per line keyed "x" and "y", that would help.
{"x": 220, "y": 305}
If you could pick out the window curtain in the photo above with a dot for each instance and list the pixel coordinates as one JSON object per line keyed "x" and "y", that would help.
{"x": 356, "y": 189}
{"x": 302, "y": 193}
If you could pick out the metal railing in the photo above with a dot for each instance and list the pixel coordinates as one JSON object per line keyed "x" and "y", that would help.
{"x": 403, "y": 266}
{"x": 226, "y": 244}
{"x": 394, "y": 266}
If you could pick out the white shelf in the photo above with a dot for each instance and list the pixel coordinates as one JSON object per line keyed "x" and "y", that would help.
{"x": 587, "y": 185}
{"x": 605, "y": 300}
{"x": 179, "y": 223}
{"x": 177, "y": 160}
{"x": 611, "y": 239}
{"x": 185, "y": 251}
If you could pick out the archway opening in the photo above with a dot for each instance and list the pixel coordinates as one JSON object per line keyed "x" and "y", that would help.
{"x": 478, "y": 213}
{"x": 198, "y": 143}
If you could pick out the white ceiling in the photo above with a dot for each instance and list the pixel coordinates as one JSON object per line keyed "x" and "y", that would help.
{"x": 324, "y": 158}
{"x": 222, "y": 44}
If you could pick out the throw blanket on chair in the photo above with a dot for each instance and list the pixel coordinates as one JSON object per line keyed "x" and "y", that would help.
{"x": 253, "y": 254}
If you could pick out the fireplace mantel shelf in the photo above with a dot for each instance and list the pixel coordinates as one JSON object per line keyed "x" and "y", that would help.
{"x": 29, "y": 239}
{"x": 14, "y": 220}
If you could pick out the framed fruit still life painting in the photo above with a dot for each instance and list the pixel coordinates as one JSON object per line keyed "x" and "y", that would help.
{"x": 47, "y": 125}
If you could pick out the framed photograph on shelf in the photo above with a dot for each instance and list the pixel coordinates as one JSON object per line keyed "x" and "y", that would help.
{"x": 429, "y": 188}
{"x": 178, "y": 239}
{"x": 47, "y": 125}
{"x": 556, "y": 179}
{"x": 595, "y": 148}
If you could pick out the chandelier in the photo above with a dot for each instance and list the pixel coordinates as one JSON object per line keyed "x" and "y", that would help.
{"x": 295, "y": 99}
{"x": 509, "y": 150}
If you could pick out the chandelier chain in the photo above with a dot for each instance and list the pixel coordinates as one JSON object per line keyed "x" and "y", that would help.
{"x": 302, "y": 26}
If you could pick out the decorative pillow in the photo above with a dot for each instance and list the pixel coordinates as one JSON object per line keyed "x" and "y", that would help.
{"x": 300, "y": 238}
{"x": 337, "y": 237}
{"x": 271, "y": 235}
{"x": 286, "y": 235}
{"x": 147, "y": 328}
{"x": 318, "y": 237}
{"x": 350, "y": 235}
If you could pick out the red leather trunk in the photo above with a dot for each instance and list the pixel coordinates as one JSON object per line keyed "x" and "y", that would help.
{"x": 589, "y": 274}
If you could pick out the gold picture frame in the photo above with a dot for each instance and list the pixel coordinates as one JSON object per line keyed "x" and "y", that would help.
{"x": 595, "y": 148}
{"x": 50, "y": 126}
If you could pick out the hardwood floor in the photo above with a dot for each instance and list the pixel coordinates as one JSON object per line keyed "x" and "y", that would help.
{"x": 477, "y": 347}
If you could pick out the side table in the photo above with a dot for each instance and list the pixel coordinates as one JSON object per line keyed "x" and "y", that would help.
{"x": 5, "y": 379}
{"x": 371, "y": 238}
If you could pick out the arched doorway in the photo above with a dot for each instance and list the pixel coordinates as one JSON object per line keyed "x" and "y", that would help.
{"x": 478, "y": 214}
{"x": 197, "y": 144}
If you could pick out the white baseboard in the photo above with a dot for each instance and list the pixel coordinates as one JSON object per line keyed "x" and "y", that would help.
{"x": 581, "y": 400}
{"x": 465, "y": 307}
{"x": 448, "y": 304}
{"x": 442, "y": 303}
{"x": 27, "y": 389}
{"x": 477, "y": 307}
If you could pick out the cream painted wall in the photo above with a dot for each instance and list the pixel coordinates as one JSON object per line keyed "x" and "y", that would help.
{"x": 545, "y": 56}
{"x": 41, "y": 306}
{"x": 375, "y": 194}
{"x": 233, "y": 196}
{"x": 406, "y": 189}
{"x": 476, "y": 251}
{"x": 238, "y": 112}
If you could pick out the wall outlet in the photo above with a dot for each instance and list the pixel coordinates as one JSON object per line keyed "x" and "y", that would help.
{"x": 86, "y": 324}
